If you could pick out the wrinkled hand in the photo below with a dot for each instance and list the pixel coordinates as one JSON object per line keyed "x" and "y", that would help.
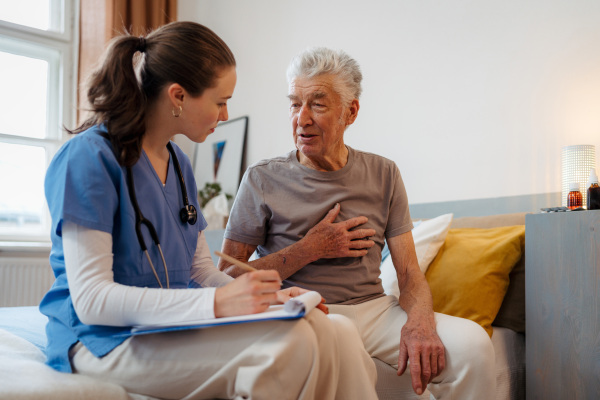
{"x": 420, "y": 344}
{"x": 249, "y": 293}
{"x": 284, "y": 295}
{"x": 333, "y": 240}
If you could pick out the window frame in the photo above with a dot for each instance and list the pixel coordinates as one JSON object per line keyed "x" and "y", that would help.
{"x": 63, "y": 46}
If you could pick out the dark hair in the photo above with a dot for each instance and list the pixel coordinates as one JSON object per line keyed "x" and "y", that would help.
{"x": 186, "y": 53}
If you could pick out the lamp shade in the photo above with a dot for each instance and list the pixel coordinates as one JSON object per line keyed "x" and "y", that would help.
{"x": 577, "y": 162}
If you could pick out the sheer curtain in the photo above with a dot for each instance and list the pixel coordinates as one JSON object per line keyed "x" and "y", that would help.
{"x": 102, "y": 20}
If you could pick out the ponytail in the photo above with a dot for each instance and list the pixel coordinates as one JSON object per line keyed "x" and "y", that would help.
{"x": 116, "y": 99}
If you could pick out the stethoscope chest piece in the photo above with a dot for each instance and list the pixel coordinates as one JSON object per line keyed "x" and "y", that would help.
{"x": 188, "y": 214}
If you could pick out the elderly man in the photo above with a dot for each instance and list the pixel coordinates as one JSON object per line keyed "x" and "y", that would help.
{"x": 283, "y": 210}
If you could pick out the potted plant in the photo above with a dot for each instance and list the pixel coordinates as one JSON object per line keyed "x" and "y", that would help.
{"x": 209, "y": 191}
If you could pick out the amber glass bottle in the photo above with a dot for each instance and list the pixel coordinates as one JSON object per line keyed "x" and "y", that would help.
{"x": 593, "y": 192}
{"x": 574, "y": 198}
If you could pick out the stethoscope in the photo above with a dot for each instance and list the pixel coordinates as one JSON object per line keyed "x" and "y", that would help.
{"x": 187, "y": 214}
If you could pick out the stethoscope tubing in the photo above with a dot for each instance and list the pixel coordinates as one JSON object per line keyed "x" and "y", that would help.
{"x": 141, "y": 220}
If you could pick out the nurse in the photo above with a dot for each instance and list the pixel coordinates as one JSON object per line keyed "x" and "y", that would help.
{"x": 119, "y": 187}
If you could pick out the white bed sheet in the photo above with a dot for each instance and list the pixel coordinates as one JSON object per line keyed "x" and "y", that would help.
{"x": 25, "y": 376}
{"x": 509, "y": 347}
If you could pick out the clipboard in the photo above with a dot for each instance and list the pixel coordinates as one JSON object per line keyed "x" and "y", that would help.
{"x": 294, "y": 308}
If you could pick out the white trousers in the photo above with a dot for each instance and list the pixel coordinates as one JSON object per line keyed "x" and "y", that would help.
{"x": 315, "y": 357}
{"x": 470, "y": 362}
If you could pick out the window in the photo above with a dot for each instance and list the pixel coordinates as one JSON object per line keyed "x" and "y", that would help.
{"x": 37, "y": 98}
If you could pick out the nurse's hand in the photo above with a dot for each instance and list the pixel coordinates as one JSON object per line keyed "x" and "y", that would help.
{"x": 249, "y": 293}
{"x": 284, "y": 295}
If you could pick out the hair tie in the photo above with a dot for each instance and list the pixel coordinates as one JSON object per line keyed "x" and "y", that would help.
{"x": 142, "y": 44}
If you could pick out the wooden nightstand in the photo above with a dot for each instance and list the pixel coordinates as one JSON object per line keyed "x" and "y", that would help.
{"x": 562, "y": 281}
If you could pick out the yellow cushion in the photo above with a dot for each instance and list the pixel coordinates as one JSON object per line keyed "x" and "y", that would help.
{"x": 469, "y": 276}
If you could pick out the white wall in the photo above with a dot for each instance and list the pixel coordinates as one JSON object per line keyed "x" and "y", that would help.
{"x": 472, "y": 99}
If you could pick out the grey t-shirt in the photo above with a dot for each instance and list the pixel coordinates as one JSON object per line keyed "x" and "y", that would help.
{"x": 279, "y": 200}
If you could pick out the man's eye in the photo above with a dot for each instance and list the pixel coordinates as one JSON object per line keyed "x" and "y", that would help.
{"x": 294, "y": 105}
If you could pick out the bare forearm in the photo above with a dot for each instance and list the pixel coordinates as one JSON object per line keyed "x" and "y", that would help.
{"x": 415, "y": 297}
{"x": 286, "y": 261}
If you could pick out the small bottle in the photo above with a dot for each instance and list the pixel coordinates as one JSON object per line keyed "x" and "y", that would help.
{"x": 574, "y": 198}
{"x": 593, "y": 192}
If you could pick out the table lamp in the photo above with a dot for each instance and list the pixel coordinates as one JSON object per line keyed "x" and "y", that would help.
{"x": 577, "y": 161}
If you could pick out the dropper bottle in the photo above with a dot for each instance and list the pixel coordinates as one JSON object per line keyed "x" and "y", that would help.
{"x": 593, "y": 192}
{"x": 574, "y": 198}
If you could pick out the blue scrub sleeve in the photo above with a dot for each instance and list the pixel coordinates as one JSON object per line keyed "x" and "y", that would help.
{"x": 83, "y": 184}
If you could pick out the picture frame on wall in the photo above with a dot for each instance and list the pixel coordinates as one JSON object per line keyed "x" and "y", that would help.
{"x": 220, "y": 157}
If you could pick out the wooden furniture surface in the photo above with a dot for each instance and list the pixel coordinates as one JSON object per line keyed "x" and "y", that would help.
{"x": 562, "y": 276}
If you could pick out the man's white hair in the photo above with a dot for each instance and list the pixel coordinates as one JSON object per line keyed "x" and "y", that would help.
{"x": 320, "y": 61}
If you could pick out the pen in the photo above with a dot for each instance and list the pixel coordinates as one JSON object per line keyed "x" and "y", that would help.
{"x": 237, "y": 262}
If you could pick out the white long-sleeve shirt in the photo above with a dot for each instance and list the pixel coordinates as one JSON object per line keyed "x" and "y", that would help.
{"x": 99, "y": 300}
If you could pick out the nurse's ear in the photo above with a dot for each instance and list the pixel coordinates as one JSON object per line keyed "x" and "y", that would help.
{"x": 176, "y": 94}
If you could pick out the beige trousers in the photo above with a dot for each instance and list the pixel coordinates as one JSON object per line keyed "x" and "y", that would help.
{"x": 315, "y": 357}
{"x": 470, "y": 363}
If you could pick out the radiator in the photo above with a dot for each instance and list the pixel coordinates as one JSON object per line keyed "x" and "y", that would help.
{"x": 24, "y": 280}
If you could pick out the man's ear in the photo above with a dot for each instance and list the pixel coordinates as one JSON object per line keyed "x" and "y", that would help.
{"x": 352, "y": 112}
{"x": 176, "y": 94}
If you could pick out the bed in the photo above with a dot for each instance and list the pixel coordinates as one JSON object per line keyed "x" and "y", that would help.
{"x": 23, "y": 374}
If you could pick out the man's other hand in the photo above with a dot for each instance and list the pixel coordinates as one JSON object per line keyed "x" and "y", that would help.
{"x": 420, "y": 344}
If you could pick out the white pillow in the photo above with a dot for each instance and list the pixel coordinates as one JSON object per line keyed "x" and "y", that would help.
{"x": 429, "y": 235}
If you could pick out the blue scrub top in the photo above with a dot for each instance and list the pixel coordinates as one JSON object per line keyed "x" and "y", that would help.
{"x": 86, "y": 185}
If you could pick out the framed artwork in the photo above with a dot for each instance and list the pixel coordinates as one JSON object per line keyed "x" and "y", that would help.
{"x": 220, "y": 157}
